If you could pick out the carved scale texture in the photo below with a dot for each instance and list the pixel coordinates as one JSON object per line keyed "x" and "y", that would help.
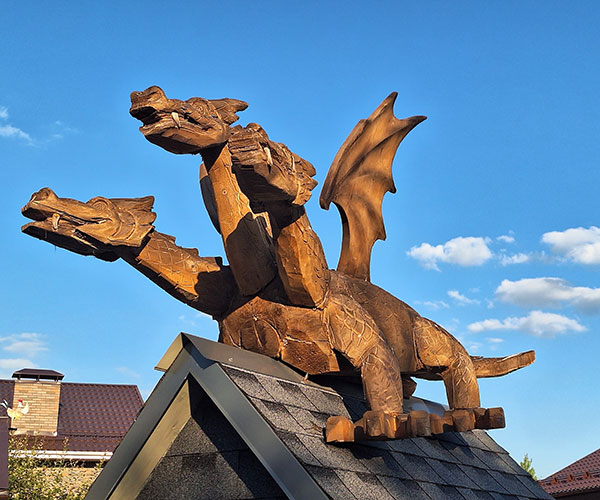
{"x": 201, "y": 282}
{"x": 438, "y": 349}
{"x": 355, "y": 335}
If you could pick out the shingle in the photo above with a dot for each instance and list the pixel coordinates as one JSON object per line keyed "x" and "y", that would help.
{"x": 277, "y": 415}
{"x": 535, "y": 489}
{"x": 491, "y": 460}
{"x": 463, "y": 455}
{"x": 502, "y": 496}
{"x": 364, "y": 485}
{"x": 511, "y": 483}
{"x": 453, "y": 437}
{"x": 311, "y": 422}
{"x": 432, "y": 448}
{"x": 514, "y": 467}
{"x": 399, "y": 488}
{"x": 451, "y": 473}
{"x": 379, "y": 461}
{"x": 334, "y": 457}
{"x": 248, "y": 383}
{"x": 330, "y": 483}
{"x": 324, "y": 401}
{"x": 254, "y": 475}
{"x": 482, "y": 479}
{"x": 285, "y": 392}
{"x": 300, "y": 451}
{"x": 473, "y": 441}
{"x": 474, "y": 494}
{"x": 417, "y": 467}
{"x": 406, "y": 446}
{"x": 441, "y": 492}
{"x": 489, "y": 443}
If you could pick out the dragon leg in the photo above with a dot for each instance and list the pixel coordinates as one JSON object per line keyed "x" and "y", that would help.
{"x": 354, "y": 334}
{"x": 438, "y": 350}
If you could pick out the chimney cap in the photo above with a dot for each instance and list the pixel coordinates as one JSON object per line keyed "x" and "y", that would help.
{"x": 38, "y": 374}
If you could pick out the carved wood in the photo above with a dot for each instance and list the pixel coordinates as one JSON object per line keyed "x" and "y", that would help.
{"x": 277, "y": 296}
{"x": 246, "y": 236}
{"x": 359, "y": 177}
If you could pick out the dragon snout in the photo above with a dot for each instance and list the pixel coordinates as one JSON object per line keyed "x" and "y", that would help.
{"x": 43, "y": 194}
{"x": 31, "y": 210}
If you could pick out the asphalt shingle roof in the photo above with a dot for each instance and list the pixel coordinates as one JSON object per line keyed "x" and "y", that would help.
{"x": 460, "y": 466}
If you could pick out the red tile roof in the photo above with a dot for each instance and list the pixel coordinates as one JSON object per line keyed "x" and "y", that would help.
{"x": 92, "y": 417}
{"x": 97, "y": 409}
{"x": 583, "y": 475}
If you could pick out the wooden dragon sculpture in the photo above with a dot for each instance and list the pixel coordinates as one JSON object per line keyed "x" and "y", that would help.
{"x": 277, "y": 296}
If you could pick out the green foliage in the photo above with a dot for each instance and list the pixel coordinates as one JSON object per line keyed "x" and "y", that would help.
{"x": 30, "y": 478}
{"x": 526, "y": 466}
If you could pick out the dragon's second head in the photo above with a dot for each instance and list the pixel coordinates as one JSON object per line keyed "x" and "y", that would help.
{"x": 184, "y": 127}
{"x": 97, "y": 227}
{"x": 267, "y": 171}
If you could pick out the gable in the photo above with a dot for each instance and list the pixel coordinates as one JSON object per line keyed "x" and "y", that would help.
{"x": 207, "y": 418}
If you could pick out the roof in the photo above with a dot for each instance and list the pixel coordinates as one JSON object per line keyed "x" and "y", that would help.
{"x": 92, "y": 417}
{"x": 581, "y": 476}
{"x": 37, "y": 373}
{"x": 279, "y": 419}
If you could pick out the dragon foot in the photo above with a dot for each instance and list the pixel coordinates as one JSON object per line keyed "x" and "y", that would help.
{"x": 381, "y": 425}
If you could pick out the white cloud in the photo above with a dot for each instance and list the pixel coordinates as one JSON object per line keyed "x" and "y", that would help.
{"x": 538, "y": 323}
{"x": 506, "y": 238}
{"x": 434, "y": 304}
{"x": 3, "y": 112}
{"x": 25, "y": 344}
{"x": 518, "y": 258}
{"x": 494, "y": 340}
{"x": 466, "y": 252}
{"x": 128, "y": 372}
{"x": 13, "y": 132}
{"x": 578, "y": 244}
{"x": 11, "y": 365}
{"x": 549, "y": 292}
{"x": 461, "y": 299}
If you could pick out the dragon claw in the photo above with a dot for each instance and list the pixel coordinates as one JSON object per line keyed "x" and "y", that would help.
{"x": 382, "y": 425}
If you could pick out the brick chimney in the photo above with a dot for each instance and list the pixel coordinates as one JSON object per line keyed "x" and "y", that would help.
{"x": 41, "y": 390}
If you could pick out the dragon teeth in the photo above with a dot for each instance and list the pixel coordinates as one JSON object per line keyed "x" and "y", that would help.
{"x": 55, "y": 219}
{"x": 175, "y": 117}
{"x": 269, "y": 157}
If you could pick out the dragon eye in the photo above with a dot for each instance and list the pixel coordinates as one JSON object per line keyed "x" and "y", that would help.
{"x": 99, "y": 203}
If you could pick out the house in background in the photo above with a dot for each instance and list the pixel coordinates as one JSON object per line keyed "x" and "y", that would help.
{"x": 76, "y": 421}
{"x": 578, "y": 481}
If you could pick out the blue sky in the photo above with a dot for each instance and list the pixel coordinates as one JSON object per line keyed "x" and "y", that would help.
{"x": 493, "y": 232}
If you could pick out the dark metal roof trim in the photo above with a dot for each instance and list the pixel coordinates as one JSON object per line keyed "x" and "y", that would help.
{"x": 37, "y": 374}
{"x": 283, "y": 466}
{"x": 223, "y": 353}
{"x": 277, "y": 459}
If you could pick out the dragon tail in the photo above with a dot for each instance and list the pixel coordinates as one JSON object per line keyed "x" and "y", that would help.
{"x": 496, "y": 367}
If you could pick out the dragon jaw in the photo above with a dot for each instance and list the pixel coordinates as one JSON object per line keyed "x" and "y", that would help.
{"x": 90, "y": 228}
{"x": 184, "y": 127}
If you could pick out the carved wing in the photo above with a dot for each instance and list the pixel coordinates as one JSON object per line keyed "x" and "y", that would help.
{"x": 361, "y": 173}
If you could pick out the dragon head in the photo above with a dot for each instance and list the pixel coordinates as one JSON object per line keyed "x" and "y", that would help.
{"x": 97, "y": 227}
{"x": 184, "y": 127}
{"x": 268, "y": 171}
